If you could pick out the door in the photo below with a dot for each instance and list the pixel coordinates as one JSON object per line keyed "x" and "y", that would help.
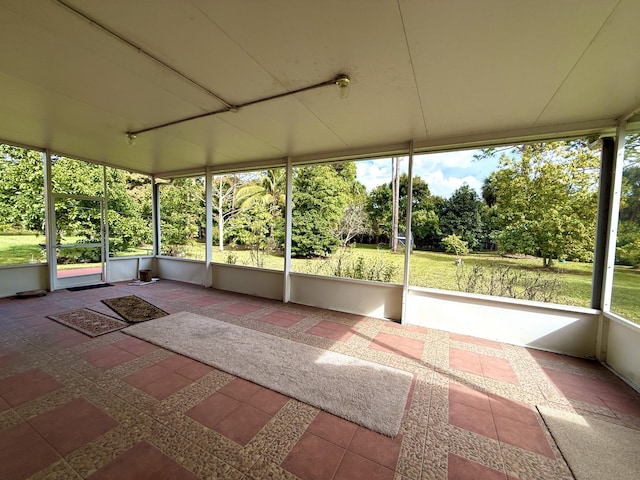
{"x": 79, "y": 236}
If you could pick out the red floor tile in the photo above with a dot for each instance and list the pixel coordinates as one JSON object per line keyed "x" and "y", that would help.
{"x": 107, "y": 357}
{"x": 267, "y": 400}
{"x": 4, "y": 405}
{"x": 136, "y": 346}
{"x": 145, "y": 376}
{"x": 72, "y": 425}
{"x": 143, "y": 462}
{"x": 498, "y": 369}
{"x": 23, "y": 452}
{"x": 240, "y": 389}
{"x": 332, "y": 330}
{"x": 465, "y": 361}
{"x": 241, "y": 308}
{"x": 512, "y": 409}
{"x": 194, "y": 370}
{"x": 27, "y": 386}
{"x": 166, "y": 385}
{"x": 313, "y": 458}
{"x": 242, "y": 424}
{"x": 475, "y": 340}
{"x": 463, "y": 469}
{"x": 213, "y": 409}
{"x": 274, "y": 318}
{"x": 175, "y": 362}
{"x": 355, "y": 467}
{"x": 334, "y": 429}
{"x": 376, "y": 447}
{"x": 523, "y": 435}
{"x": 469, "y": 396}
{"x": 472, "y": 419}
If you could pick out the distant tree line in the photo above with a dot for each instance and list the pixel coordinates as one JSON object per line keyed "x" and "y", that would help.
{"x": 540, "y": 201}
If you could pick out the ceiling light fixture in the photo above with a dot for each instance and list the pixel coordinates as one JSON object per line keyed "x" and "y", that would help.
{"x": 131, "y": 139}
{"x": 342, "y": 81}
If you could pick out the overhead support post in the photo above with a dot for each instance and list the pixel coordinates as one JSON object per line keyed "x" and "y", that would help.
{"x": 208, "y": 250}
{"x": 611, "y": 167}
{"x": 49, "y": 225}
{"x": 155, "y": 215}
{"x": 286, "y": 290}
{"x": 408, "y": 242}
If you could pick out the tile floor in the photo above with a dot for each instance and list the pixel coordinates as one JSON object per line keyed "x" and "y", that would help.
{"x": 115, "y": 407}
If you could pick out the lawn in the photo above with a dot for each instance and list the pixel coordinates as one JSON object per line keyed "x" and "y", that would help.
{"x": 428, "y": 269}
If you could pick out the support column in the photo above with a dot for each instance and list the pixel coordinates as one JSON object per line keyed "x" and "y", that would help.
{"x": 286, "y": 290}
{"x": 155, "y": 215}
{"x": 49, "y": 225}
{"x": 208, "y": 251}
{"x": 611, "y": 168}
{"x": 607, "y": 156}
{"x": 408, "y": 238}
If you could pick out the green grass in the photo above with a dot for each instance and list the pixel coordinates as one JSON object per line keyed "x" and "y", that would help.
{"x": 21, "y": 249}
{"x": 428, "y": 269}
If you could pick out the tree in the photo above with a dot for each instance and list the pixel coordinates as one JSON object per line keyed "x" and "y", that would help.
{"x": 182, "y": 209}
{"x": 546, "y": 200}
{"x": 461, "y": 215}
{"x": 320, "y": 197}
{"x": 21, "y": 189}
{"x": 354, "y": 222}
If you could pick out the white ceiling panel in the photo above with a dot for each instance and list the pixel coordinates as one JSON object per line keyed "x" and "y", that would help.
{"x": 75, "y": 75}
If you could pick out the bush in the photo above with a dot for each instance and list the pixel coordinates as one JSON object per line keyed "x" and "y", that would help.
{"x": 455, "y": 244}
{"x": 506, "y": 281}
{"x": 347, "y": 265}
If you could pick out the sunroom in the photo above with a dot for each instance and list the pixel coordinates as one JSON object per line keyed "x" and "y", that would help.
{"x": 212, "y": 90}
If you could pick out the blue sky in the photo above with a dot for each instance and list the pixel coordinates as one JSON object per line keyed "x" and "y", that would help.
{"x": 443, "y": 172}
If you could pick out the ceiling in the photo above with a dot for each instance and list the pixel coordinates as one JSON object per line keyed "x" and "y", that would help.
{"x": 75, "y": 75}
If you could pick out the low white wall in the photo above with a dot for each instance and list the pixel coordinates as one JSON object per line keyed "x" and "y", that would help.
{"x": 374, "y": 299}
{"x": 623, "y": 348}
{"x": 556, "y": 328}
{"x": 181, "y": 270}
{"x": 21, "y": 278}
{"x": 121, "y": 269}
{"x": 248, "y": 280}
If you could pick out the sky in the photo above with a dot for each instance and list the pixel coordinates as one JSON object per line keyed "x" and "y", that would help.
{"x": 443, "y": 172}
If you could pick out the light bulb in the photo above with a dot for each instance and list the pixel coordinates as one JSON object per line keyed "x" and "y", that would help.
{"x": 343, "y": 82}
{"x": 131, "y": 139}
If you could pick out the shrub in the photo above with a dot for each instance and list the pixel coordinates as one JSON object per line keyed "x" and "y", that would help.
{"x": 455, "y": 244}
{"x": 507, "y": 281}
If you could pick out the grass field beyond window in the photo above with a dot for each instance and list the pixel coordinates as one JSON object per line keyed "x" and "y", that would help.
{"x": 428, "y": 269}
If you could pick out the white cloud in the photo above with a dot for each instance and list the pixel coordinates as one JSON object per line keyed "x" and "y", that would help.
{"x": 443, "y": 172}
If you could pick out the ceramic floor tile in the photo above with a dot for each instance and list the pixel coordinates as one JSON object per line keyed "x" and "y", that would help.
{"x": 313, "y": 458}
{"x": 472, "y": 419}
{"x": 143, "y": 462}
{"x": 213, "y": 409}
{"x": 523, "y": 435}
{"x": 242, "y": 424}
{"x": 355, "y": 467}
{"x": 463, "y": 469}
{"x": 267, "y": 401}
{"x": 71, "y": 425}
{"x": 27, "y": 386}
{"x": 376, "y": 447}
{"x": 23, "y": 452}
{"x": 240, "y": 389}
{"x": 334, "y": 429}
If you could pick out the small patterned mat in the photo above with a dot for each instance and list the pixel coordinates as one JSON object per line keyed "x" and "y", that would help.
{"x": 88, "y": 322}
{"x": 134, "y": 309}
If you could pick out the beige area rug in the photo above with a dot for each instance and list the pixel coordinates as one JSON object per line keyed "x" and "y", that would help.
{"x": 134, "y": 309}
{"x": 593, "y": 448}
{"x": 363, "y": 392}
{"x": 89, "y": 322}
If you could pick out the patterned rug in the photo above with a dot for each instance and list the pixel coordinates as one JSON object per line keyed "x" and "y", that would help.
{"x": 134, "y": 309}
{"x": 88, "y": 322}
